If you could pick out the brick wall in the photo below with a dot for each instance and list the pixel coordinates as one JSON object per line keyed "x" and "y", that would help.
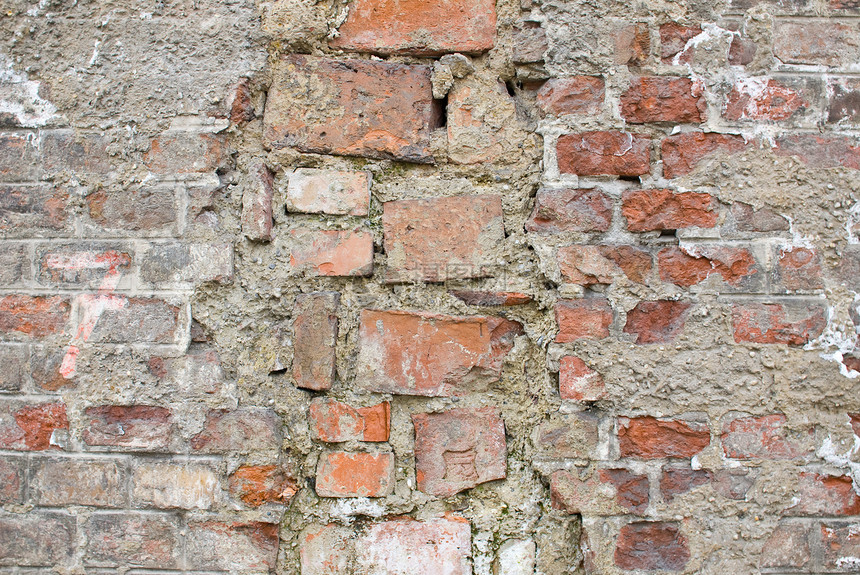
{"x": 429, "y": 286}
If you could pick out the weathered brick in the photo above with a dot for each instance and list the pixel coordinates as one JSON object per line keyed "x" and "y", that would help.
{"x": 20, "y": 157}
{"x": 186, "y": 152}
{"x": 96, "y": 482}
{"x": 824, "y": 42}
{"x": 603, "y": 492}
{"x": 142, "y": 427}
{"x": 582, "y": 319}
{"x": 633, "y": 45}
{"x": 315, "y": 337}
{"x": 37, "y": 539}
{"x": 676, "y": 481}
{"x": 148, "y": 210}
{"x": 241, "y": 105}
{"x": 414, "y": 353}
{"x": 331, "y": 252}
{"x": 46, "y": 363}
{"x": 353, "y": 108}
{"x": 137, "y": 320}
{"x": 777, "y": 323}
{"x": 762, "y": 99}
{"x": 316, "y": 191}
{"x": 82, "y": 265}
{"x": 742, "y": 48}
{"x": 31, "y": 427}
{"x": 733, "y": 483}
{"x": 33, "y": 316}
{"x": 441, "y": 239}
{"x": 343, "y": 474}
{"x": 196, "y": 374}
{"x": 745, "y": 218}
{"x": 418, "y": 28}
{"x": 841, "y": 545}
{"x": 327, "y": 550}
{"x": 14, "y": 263}
{"x": 663, "y": 99}
{"x": 648, "y": 210}
{"x": 77, "y": 153}
{"x": 39, "y": 210}
{"x": 559, "y": 211}
{"x": 131, "y": 539}
{"x": 688, "y": 266}
{"x": 821, "y": 150}
{"x": 257, "y": 204}
{"x": 575, "y": 95}
{"x": 458, "y": 449}
{"x": 241, "y": 430}
{"x": 787, "y": 547}
{"x": 604, "y": 153}
{"x": 12, "y": 479}
{"x": 658, "y": 321}
{"x": 579, "y": 382}
{"x": 177, "y": 265}
{"x": 332, "y": 421}
{"x": 14, "y": 359}
{"x": 651, "y": 438}
{"x": 491, "y": 298}
{"x": 256, "y": 485}
{"x": 674, "y": 38}
{"x": 819, "y": 494}
{"x": 515, "y": 557}
{"x": 174, "y": 485}
{"x": 798, "y": 269}
{"x": 529, "y": 43}
{"x": 684, "y": 152}
{"x": 843, "y": 101}
{"x": 251, "y": 546}
{"x": 589, "y": 264}
{"x": 652, "y": 545}
{"x": 568, "y": 436}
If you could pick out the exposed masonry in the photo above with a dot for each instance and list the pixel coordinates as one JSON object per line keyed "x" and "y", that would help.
{"x": 429, "y": 286}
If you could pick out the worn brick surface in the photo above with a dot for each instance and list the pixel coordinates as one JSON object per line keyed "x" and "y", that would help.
{"x": 558, "y": 211}
{"x": 61, "y": 482}
{"x": 663, "y": 99}
{"x": 167, "y": 485}
{"x": 576, "y": 95}
{"x": 333, "y": 421}
{"x": 582, "y": 319}
{"x": 141, "y": 427}
{"x": 331, "y": 253}
{"x": 682, "y": 153}
{"x": 243, "y": 429}
{"x": 328, "y": 192}
{"x": 344, "y": 474}
{"x": 604, "y": 153}
{"x": 652, "y": 438}
{"x": 315, "y": 335}
{"x": 143, "y": 540}
{"x": 647, "y": 210}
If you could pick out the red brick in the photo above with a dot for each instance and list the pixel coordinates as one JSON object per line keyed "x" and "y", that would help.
{"x": 673, "y": 41}
{"x": 759, "y": 438}
{"x": 31, "y": 427}
{"x": 440, "y": 239}
{"x": 186, "y": 152}
{"x": 604, "y": 153}
{"x": 786, "y": 548}
{"x": 137, "y": 320}
{"x": 12, "y": 480}
{"x": 663, "y": 99}
{"x": 256, "y": 485}
{"x": 825, "y": 42}
{"x": 315, "y": 337}
{"x": 825, "y": 495}
{"x": 651, "y": 438}
{"x": 355, "y": 108}
{"x": 585, "y": 265}
{"x": 687, "y": 267}
{"x": 127, "y": 538}
{"x": 37, "y": 539}
{"x": 491, "y": 298}
{"x": 34, "y": 316}
{"x": 742, "y": 49}
{"x": 579, "y": 382}
{"x": 652, "y": 545}
{"x": 143, "y": 427}
{"x": 843, "y": 100}
{"x": 343, "y": 474}
{"x": 38, "y": 210}
{"x": 458, "y": 449}
{"x": 64, "y": 482}
{"x": 233, "y": 546}
{"x": 631, "y": 488}
{"x": 748, "y": 219}
{"x": 331, "y": 252}
{"x": 684, "y": 152}
{"x": 633, "y": 45}
{"x": 559, "y": 211}
{"x": 81, "y": 265}
{"x": 241, "y": 430}
{"x": 777, "y": 323}
{"x": 418, "y": 27}
{"x": 74, "y": 152}
{"x": 20, "y": 158}
{"x": 568, "y": 436}
{"x": 762, "y": 99}
{"x": 821, "y": 150}
{"x": 854, "y": 419}
{"x": 146, "y": 210}
{"x": 575, "y": 95}
{"x": 181, "y": 485}
{"x": 841, "y": 545}
{"x": 676, "y": 481}
{"x": 606, "y": 492}
{"x": 648, "y": 210}
{"x": 798, "y": 269}
{"x": 658, "y": 321}
{"x": 415, "y": 353}
{"x": 315, "y": 191}
{"x": 257, "y": 205}
{"x": 733, "y": 483}
{"x": 332, "y": 421}
{"x": 582, "y": 319}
